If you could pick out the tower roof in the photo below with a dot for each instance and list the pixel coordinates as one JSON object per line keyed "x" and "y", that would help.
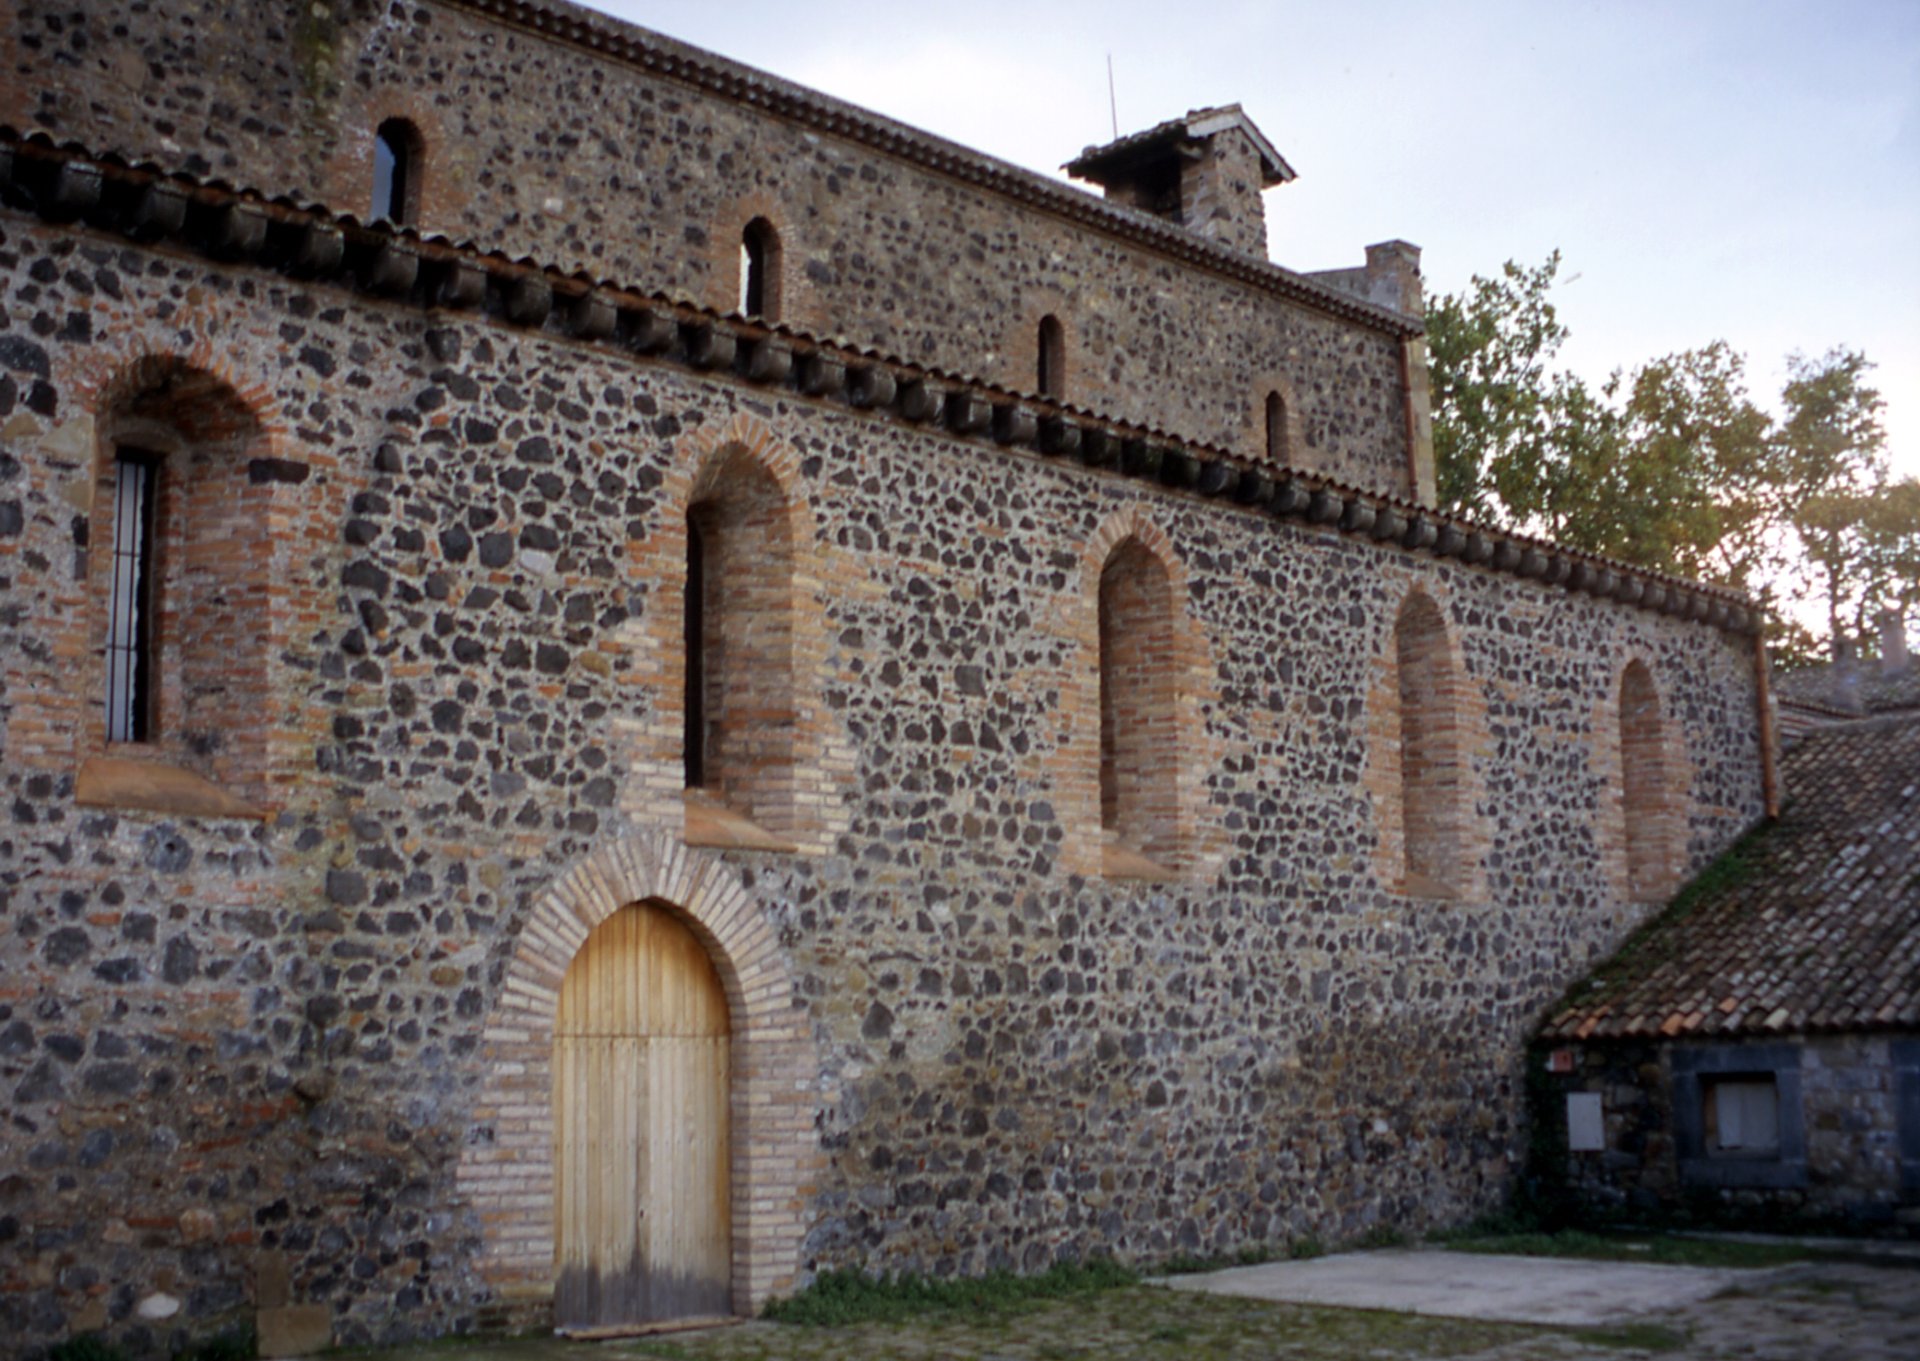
{"x": 1122, "y": 158}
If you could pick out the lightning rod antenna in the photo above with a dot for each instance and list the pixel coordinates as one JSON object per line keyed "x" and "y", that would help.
{"x": 1113, "y": 105}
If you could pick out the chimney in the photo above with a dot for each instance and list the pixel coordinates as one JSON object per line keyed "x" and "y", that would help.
{"x": 1204, "y": 172}
{"x": 1894, "y": 657}
{"x": 1846, "y": 675}
{"x": 1389, "y": 279}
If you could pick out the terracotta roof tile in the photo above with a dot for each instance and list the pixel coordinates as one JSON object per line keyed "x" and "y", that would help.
{"x": 1811, "y": 923}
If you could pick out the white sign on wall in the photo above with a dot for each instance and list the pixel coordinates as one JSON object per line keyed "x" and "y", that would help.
{"x": 1586, "y": 1126}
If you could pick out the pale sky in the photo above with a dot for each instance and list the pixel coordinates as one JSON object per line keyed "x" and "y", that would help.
{"x": 1709, "y": 170}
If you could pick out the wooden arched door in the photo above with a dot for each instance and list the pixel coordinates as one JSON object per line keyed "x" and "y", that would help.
{"x": 640, "y": 1158}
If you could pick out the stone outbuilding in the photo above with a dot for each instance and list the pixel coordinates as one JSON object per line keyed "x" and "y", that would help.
{"x": 1752, "y": 1055}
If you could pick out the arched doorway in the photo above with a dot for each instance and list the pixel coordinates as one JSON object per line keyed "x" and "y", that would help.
{"x": 641, "y": 1078}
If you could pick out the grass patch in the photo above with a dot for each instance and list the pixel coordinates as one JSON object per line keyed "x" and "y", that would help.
{"x": 234, "y": 1343}
{"x": 86, "y": 1347}
{"x": 1641, "y": 1337}
{"x": 839, "y": 1298}
{"x": 1660, "y": 1248}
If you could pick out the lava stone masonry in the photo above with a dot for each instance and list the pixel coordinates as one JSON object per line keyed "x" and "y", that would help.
{"x": 278, "y": 985}
{"x": 253, "y": 1062}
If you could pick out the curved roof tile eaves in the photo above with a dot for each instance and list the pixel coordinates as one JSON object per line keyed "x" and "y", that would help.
{"x": 1280, "y": 490}
{"x": 716, "y": 74}
{"x": 1823, "y": 934}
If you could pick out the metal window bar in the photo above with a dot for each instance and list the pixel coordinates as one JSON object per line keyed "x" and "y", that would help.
{"x": 130, "y": 602}
{"x": 694, "y": 752}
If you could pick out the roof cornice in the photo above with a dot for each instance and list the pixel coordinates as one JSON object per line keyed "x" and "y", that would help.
{"x": 65, "y": 184}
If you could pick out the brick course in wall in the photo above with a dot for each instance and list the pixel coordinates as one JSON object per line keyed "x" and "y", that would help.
{"x": 300, "y": 1059}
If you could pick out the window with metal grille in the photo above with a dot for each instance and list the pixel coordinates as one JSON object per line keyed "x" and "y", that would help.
{"x": 695, "y": 750}
{"x": 130, "y": 603}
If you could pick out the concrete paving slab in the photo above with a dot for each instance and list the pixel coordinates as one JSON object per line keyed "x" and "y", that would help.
{"x": 1552, "y": 1290}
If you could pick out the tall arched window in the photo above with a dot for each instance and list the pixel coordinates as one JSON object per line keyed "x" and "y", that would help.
{"x": 1277, "y": 427}
{"x": 1139, "y": 754}
{"x": 181, "y": 615}
{"x": 1432, "y": 766}
{"x": 1052, "y": 357}
{"x": 1646, "y": 787}
{"x": 740, "y": 708}
{"x": 760, "y": 270}
{"x": 396, "y": 172}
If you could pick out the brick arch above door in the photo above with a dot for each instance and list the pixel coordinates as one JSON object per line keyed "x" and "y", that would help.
{"x": 505, "y": 1177}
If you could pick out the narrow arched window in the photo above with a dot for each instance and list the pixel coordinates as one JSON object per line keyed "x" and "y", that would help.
{"x": 396, "y": 171}
{"x": 1431, "y": 764}
{"x": 740, "y": 706}
{"x": 1276, "y": 427}
{"x": 1646, "y": 791}
{"x": 1138, "y": 732}
{"x": 760, "y": 270}
{"x": 130, "y": 597}
{"x": 1052, "y": 357}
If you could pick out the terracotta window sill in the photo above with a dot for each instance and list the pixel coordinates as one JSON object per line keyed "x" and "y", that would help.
{"x": 156, "y": 787}
{"x": 711, "y": 823}
{"x": 1123, "y": 862}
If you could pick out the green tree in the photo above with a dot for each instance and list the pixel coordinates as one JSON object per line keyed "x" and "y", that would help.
{"x": 1665, "y": 467}
{"x": 1488, "y": 352}
{"x": 1700, "y": 464}
{"x": 1673, "y": 466}
{"x": 1832, "y": 483}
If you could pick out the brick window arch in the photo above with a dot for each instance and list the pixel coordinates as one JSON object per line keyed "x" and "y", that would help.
{"x": 1139, "y": 738}
{"x": 1649, "y": 800}
{"x": 739, "y": 638}
{"x": 760, "y": 261}
{"x": 399, "y": 159}
{"x": 1051, "y": 351}
{"x": 1431, "y": 692}
{"x": 179, "y": 583}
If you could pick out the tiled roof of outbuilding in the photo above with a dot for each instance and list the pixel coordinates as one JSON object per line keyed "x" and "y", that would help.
{"x": 1867, "y": 686}
{"x": 1810, "y": 924}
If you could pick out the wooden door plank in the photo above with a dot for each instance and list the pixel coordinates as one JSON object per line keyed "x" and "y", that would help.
{"x": 642, "y": 1205}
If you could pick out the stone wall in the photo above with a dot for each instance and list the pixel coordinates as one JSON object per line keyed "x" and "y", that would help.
{"x": 295, "y": 1059}
{"x": 1849, "y": 1155}
{"x": 534, "y": 144}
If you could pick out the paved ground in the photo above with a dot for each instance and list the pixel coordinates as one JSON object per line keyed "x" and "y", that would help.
{"x": 1813, "y": 1312}
{"x": 1550, "y": 1290}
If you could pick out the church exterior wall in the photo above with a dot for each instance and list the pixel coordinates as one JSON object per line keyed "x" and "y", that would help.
{"x": 263, "y": 1063}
